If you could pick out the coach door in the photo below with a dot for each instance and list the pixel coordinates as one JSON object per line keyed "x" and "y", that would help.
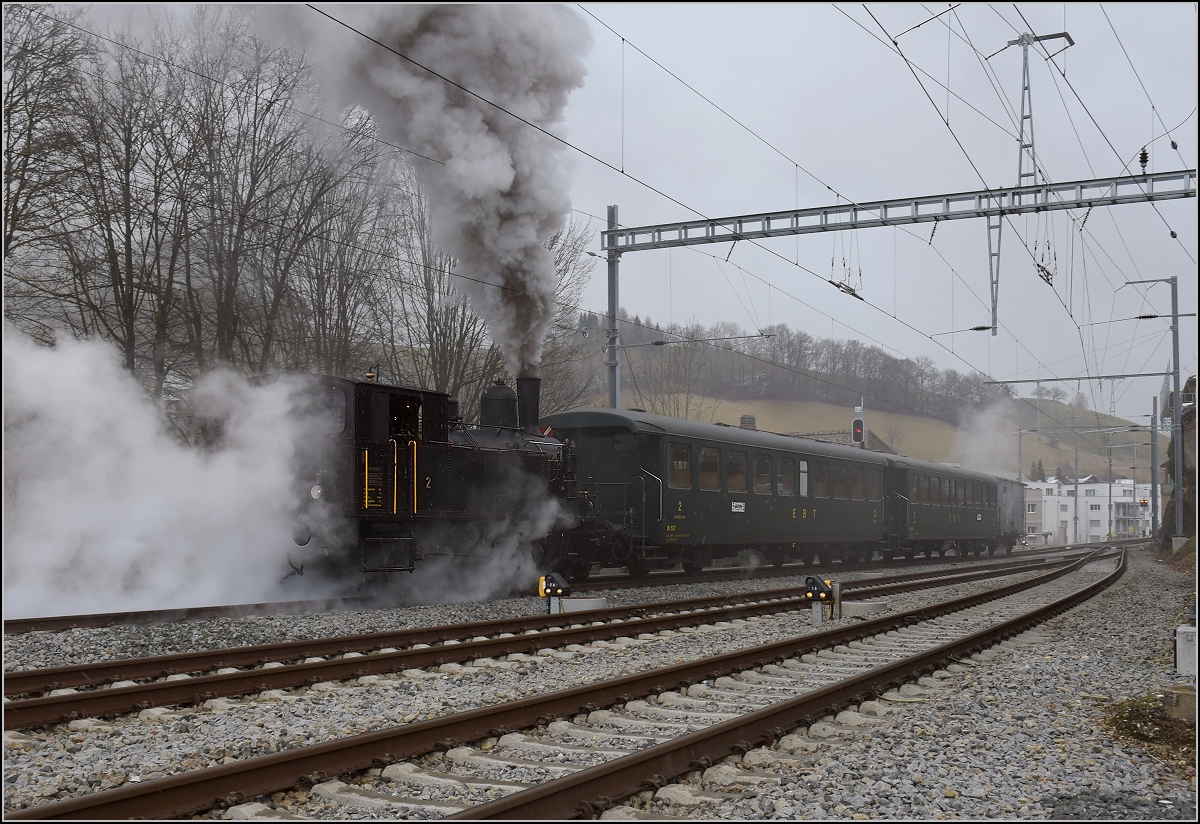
{"x": 895, "y": 501}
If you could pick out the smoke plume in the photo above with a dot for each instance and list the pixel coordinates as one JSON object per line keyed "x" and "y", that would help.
{"x": 498, "y": 188}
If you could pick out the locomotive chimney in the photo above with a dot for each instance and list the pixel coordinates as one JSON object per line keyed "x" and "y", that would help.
{"x": 529, "y": 390}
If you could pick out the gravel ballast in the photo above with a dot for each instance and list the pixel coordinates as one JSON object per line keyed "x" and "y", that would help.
{"x": 1013, "y": 737}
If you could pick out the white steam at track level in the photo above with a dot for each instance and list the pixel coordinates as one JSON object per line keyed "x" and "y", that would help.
{"x": 502, "y": 191}
{"x": 105, "y": 510}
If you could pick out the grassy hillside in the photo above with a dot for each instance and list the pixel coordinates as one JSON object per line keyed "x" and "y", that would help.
{"x": 987, "y": 442}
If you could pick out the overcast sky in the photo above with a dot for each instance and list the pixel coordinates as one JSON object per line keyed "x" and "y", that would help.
{"x": 799, "y": 105}
{"x": 830, "y": 111}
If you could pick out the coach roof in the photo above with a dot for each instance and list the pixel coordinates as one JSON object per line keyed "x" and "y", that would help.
{"x": 625, "y": 420}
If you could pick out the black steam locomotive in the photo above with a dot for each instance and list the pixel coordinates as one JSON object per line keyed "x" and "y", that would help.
{"x": 401, "y": 476}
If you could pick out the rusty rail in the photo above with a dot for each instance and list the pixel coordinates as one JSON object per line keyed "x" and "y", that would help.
{"x": 26, "y": 713}
{"x": 593, "y": 790}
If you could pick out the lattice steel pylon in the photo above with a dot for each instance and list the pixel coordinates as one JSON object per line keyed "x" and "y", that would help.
{"x": 1026, "y": 161}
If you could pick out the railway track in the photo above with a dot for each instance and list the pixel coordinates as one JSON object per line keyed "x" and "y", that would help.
{"x": 892, "y": 642}
{"x": 47, "y": 696}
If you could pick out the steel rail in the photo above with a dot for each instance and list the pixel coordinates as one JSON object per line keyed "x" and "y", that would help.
{"x": 650, "y": 768}
{"x": 35, "y": 712}
{"x": 199, "y": 790}
{"x": 92, "y": 674}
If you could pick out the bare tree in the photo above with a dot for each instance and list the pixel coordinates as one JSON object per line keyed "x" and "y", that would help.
{"x": 341, "y": 279}
{"x": 666, "y": 378}
{"x": 566, "y": 376}
{"x": 43, "y": 54}
{"x": 249, "y": 141}
{"x": 432, "y": 338}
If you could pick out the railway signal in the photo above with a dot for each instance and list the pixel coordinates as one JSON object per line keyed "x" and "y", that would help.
{"x": 859, "y": 430}
{"x": 818, "y": 589}
{"x": 553, "y": 588}
{"x": 819, "y": 593}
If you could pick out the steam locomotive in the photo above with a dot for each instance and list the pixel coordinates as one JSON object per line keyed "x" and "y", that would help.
{"x": 402, "y": 477}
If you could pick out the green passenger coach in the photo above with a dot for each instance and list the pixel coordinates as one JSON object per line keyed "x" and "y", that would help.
{"x": 657, "y": 491}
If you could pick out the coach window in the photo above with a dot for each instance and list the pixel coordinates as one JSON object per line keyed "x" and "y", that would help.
{"x": 924, "y": 489}
{"x": 962, "y": 493}
{"x": 873, "y": 486}
{"x": 786, "y": 483}
{"x": 935, "y": 490}
{"x": 710, "y": 468}
{"x": 914, "y": 491}
{"x": 858, "y": 483}
{"x": 970, "y": 494}
{"x": 946, "y": 497}
{"x": 762, "y": 474}
{"x": 735, "y": 477}
{"x": 803, "y": 488}
{"x": 820, "y": 479}
{"x": 679, "y": 475}
{"x": 837, "y": 478}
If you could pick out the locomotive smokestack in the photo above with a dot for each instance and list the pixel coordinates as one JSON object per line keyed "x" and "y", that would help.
{"x": 529, "y": 390}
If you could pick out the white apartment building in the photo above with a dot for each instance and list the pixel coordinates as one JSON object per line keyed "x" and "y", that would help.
{"x": 1051, "y": 515}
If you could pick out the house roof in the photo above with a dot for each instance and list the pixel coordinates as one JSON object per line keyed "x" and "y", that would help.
{"x": 846, "y": 438}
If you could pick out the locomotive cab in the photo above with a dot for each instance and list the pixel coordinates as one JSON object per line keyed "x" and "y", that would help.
{"x": 404, "y": 477}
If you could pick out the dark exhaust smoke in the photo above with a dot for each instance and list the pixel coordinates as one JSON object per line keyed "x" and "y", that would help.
{"x": 529, "y": 391}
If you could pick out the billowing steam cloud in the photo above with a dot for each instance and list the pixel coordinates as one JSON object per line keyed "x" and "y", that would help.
{"x": 502, "y": 191}
{"x": 983, "y": 440}
{"x": 105, "y": 510}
